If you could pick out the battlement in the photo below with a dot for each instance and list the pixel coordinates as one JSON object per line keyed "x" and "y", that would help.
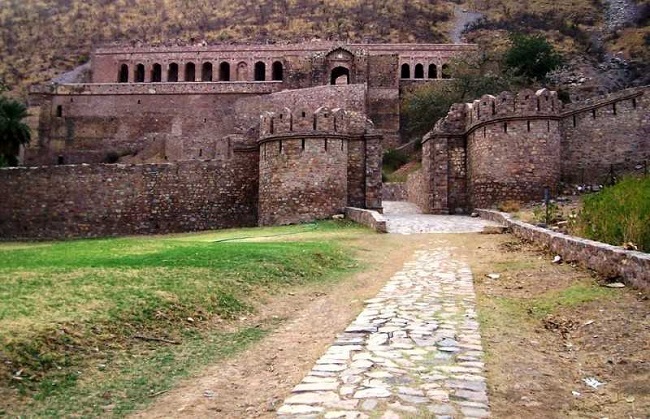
{"x": 286, "y": 123}
{"x": 526, "y": 104}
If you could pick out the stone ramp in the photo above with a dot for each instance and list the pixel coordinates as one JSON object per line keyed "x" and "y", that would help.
{"x": 414, "y": 351}
{"x": 406, "y": 218}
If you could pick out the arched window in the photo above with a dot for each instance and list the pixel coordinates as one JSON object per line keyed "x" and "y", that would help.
{"x": 445, "y": 71}
{"x": 340, "y": 75}
{"x": 139, "y": 73}
{"x": 206, "y": 72}
{"x": 406, "y": 71}
{"x": 156, "y": 73}
{"x": 190, "y": 72}
{"x": 419, "y": 71}
{"x": 260, "y": 71}
{"x": 224, "y": 71}
{"x": 433, "y": 71}
{"x": 123, "y": 75}
{"x": 172, "y": 72}
{"x": 277, "y": 71}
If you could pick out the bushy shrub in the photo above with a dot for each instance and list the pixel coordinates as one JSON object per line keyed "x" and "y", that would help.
{"x": 393, "y": 159}
{"x": 618, "y": 214}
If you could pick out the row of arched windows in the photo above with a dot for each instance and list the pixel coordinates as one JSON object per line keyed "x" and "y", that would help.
{"x": 189, "y": 72}
{"x": 418, "y": 72}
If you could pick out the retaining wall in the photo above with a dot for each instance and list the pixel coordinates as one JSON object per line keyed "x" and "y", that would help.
{"x": 610, "y": 261}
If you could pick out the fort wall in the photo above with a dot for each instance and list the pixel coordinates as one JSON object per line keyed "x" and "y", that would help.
{"x": 605, "y": 133}
{"x": 514, "y": 146}
{"x": 107, "y": 200}
{"x": 314, "y": 164}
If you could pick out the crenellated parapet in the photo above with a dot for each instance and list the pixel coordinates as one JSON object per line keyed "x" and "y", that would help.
{"x": 527, "y": 104}
{"x": 301, "y": 122}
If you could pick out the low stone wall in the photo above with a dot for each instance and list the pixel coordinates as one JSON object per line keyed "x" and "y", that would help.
{"x": 368, "y": 218}
{"x": 394, "y": 191}
{"x": 107, "y": 200}
{"x": 609, "y": 261}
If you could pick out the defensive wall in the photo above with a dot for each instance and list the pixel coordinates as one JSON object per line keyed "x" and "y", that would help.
{"x": 294, "y": 166}
{"x": 514, "y": 146}
{"x": 115, "y": 199}
{"x": 313, "y": 165}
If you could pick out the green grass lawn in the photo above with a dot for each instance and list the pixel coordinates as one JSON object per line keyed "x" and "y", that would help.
{"x": 95, "y": 326}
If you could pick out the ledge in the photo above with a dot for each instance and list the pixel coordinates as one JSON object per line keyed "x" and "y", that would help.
{"x": 610, "y": 261}
{"x": 368, "y": 218}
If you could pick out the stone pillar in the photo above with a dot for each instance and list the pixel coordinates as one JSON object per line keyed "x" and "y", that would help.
{"x": 373, "y": 153}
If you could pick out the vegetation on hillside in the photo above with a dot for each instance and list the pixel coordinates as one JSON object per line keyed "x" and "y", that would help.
{"x": 618, "y": 215}
{"x": 526, "y": 62}
{"x": 41, "y": 38}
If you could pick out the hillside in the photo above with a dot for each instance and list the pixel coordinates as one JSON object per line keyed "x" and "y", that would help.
{"x": 42, "y": 38}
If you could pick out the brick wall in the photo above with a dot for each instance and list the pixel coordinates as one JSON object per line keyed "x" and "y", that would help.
{"x": 106, "y": 200}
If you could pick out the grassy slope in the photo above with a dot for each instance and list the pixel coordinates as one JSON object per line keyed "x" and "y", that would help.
{"x": 70, "y": 311}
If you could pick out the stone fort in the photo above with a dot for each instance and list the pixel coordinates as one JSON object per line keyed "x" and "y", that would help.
{"x": 168, "y": 139}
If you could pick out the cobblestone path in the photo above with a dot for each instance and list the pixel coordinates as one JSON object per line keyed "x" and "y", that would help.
{"x": 414, "y": 351}
{"x": 406, "y": 218}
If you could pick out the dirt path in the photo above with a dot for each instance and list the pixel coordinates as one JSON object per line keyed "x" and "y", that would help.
{"x": 462, "y": 17}
{"x": 256, "y": 382}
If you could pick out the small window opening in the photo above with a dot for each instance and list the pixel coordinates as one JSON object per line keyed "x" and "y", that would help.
{"x": 123, "y": 75}
{"x": 172, "y": 73}
{"x": 59, "y": 111}
{"x": 548, "y": 126}
{"x": 433, "y": 71}
{"x": 575, "y": 122}
{"x": 190, "y": 72}
{"x": 206, "y": 72}
{"x": 71, "y": 100}
{"x": 484, "y": 132}
{"x": 60, "y": 160}
{"x": 276, "y": 71}
{"x": 224, "y": 71}
{"x": 593, "y": 113}
{"x": 528, "y": 125}
{"x": 156, "y": 73}
{"x": 325, "y": 144}
{"x": 304, "y": 114}
{"x": 505, "y": 127}
{"x": 280, "y": 146}
{"x": 139, "y": 102}
{"x": 200, "y": 152}
{"x": 633, "y": 103}
{"x": 406, "y": 71}
{"x": 302, "y": 145}
{"x": 139, "y": 73}
{"x": 614, "y": 108}
{"x": 260, "y": 71}
{"x": 419, "y": 71}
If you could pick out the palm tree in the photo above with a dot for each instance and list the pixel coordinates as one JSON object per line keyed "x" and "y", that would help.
{"x": 13, "y": 131}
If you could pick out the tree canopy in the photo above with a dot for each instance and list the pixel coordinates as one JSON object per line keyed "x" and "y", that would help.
{"x": 532, "y": 57}
{"x": 14, "y": 132}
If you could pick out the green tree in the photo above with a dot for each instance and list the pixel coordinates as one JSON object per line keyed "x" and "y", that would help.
{"x": 13, "y": 131}
{"x": 532, "y": 57}
{"x": 473, "y": 77}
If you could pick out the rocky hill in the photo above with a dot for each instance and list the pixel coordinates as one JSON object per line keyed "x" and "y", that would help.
{"x": 40, "y": 39}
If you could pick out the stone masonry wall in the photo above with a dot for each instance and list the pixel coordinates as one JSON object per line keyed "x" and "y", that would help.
{"x": 611, "y": 131}
{"x": 610, "y": 261}
{"x": 107, "y": 200}
{"x": 302, "y": 179}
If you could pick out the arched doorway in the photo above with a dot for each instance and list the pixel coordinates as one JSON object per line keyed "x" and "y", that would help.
{"x": 123, "y": 76}
{"x": 340, "y": 75}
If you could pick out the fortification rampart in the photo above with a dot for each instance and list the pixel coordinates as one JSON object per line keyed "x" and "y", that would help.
{"x": 514, "y": 146}
{"x": 106, "y": 200}
{"x": 604, "y": 135}
{"x": 314, "y": 164}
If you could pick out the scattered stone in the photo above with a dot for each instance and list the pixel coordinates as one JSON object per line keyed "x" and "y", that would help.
{"x": 615, "y": 285}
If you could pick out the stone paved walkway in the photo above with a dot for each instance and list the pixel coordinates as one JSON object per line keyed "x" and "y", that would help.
{"x": 406, "y": 218}
{"x": 415, "y": 351}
